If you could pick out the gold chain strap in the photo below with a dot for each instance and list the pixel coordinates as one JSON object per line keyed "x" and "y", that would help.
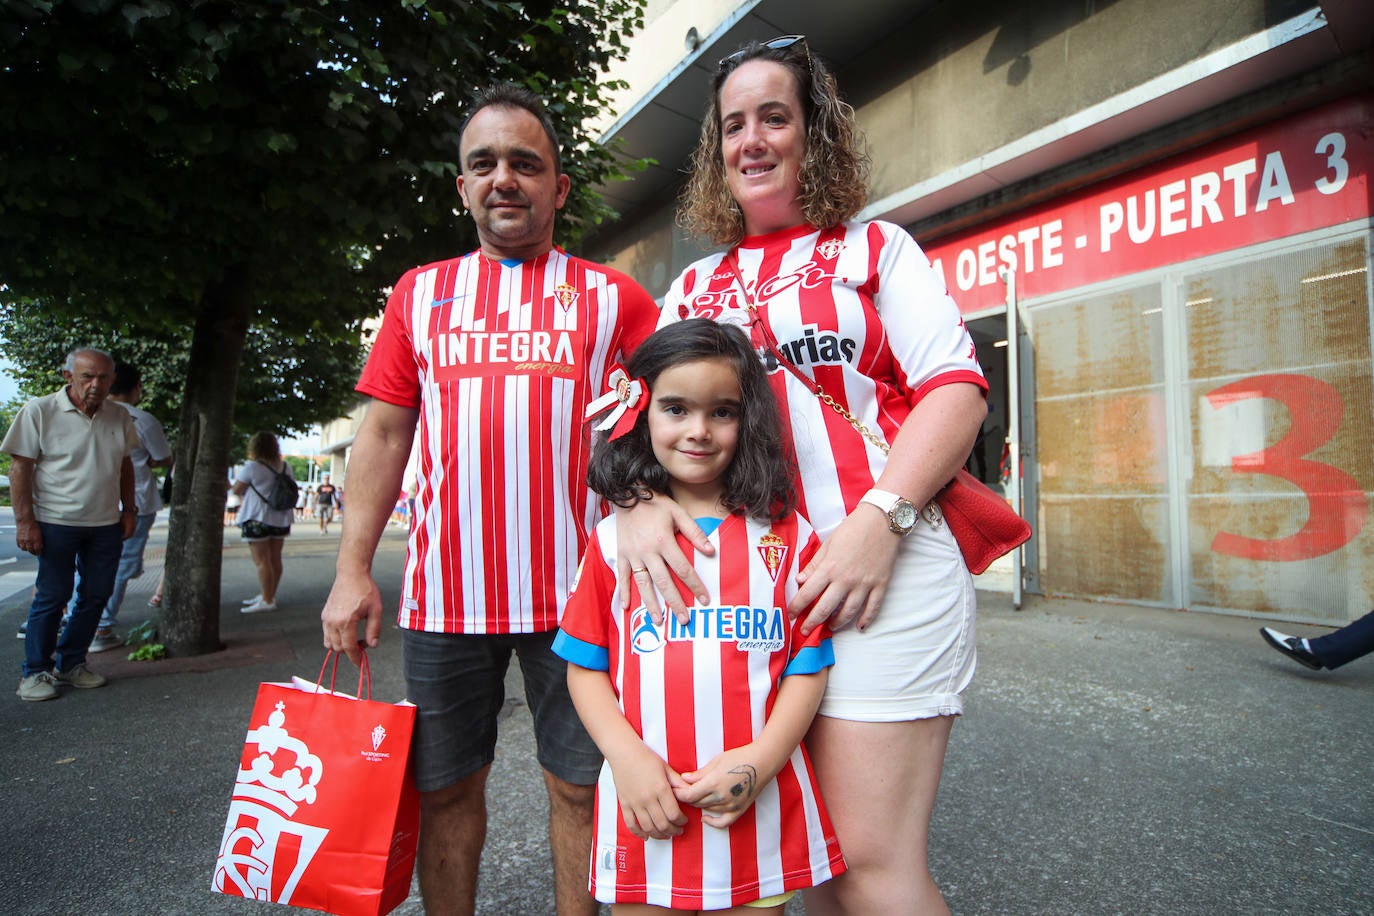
{"x": 930, "y": 511}
{"x": 854, "y": 421}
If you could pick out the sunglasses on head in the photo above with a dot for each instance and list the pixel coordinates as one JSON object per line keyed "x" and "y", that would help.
{"x": 781, "y": 43}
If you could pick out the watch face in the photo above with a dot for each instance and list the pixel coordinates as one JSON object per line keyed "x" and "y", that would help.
{"x": 903, "y": 515}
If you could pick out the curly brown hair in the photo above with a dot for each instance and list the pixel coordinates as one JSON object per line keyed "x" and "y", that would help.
{"x": 834, "y": 172}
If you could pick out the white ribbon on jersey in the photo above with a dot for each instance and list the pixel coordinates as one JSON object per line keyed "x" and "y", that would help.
{"x": 625, "y": 401}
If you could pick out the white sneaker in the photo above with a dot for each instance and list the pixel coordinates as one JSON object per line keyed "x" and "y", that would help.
{"x": 37, "y": 687}
{"x": 254, "y": 600}
{"x": 105, "y": 640}
{"x": 80, "y": 676}
{"x": 258, "y": 607}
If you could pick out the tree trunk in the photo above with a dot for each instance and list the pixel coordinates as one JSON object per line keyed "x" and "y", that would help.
{"x": 189, "y": 623}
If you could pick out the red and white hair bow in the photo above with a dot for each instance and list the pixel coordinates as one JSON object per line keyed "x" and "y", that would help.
{"x": 626, "y": 401}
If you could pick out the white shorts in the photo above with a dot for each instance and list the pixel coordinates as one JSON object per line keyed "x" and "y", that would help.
{"x": 918, "y": 656}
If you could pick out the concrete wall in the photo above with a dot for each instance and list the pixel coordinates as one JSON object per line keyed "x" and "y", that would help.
{"x": 971, "y": 77}
{"x": 967, "y": 78}
{"x": 660, "y": 46}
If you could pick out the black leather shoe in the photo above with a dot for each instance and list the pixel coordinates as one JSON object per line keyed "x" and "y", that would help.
{"x": 1290, "y": 646}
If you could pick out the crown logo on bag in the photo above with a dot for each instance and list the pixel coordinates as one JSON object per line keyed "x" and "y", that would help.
{"x": 264, "y": 854}
{"x": 296, "y": 783}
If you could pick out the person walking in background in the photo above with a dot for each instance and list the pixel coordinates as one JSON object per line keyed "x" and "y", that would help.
{"x": 232, "y": 501}
{"x": 503, "y": 512}
{"x": 326, "y": 499}
{"x": 1339, "y": 647}
{"x": 153, "y": 451}
{"x": 261, "y": 525}
{"x": 156, "y": 600}
{"x": 704, "y": 428}
{"x": 880, "y": 383}
{"x": 72, "y": 488}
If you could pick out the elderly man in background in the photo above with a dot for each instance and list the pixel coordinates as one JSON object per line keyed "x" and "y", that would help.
{"x": 72, "y": 486}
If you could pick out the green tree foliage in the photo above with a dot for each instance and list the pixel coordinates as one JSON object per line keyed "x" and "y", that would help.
{"x": 300, "y": 466}
{"x": 299, "y": 383}
{"x": 188, "y": 170}
{"x": 7, "y": 412}
{"x": 154, "y": 147}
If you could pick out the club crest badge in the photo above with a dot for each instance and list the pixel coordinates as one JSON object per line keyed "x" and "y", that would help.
{"x": 566, "y": 295}
{"x": 773, "y": 550}
{"x": 830, "y": 249}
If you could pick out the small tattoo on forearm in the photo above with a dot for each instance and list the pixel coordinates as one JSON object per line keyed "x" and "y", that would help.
{"x": 749, "y": 778}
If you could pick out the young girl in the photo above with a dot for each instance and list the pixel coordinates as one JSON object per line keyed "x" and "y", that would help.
{"x": 707, "y": 800}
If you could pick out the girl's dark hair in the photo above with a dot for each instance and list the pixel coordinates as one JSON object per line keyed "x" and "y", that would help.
{"x": 834, "y": 170}
{"x": 760, "y": 481}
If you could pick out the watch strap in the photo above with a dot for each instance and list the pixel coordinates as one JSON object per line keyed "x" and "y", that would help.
{"x": 880, "y": 499}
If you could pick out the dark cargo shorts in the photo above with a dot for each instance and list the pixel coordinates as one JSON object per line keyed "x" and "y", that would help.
{"x": 457, "y": 683}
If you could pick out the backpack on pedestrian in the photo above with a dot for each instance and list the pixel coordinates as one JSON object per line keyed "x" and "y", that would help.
{"x": 284, "y": 489}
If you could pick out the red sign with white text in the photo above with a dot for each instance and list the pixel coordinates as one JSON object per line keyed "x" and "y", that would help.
{"x": 1288, "y": 177}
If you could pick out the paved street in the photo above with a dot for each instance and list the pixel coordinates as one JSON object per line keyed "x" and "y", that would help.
{"x": 16, "y": 566}
{"x": 1114, "y": 759}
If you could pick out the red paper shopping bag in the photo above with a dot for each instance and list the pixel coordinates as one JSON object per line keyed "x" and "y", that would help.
{"x": 324, "y": 813}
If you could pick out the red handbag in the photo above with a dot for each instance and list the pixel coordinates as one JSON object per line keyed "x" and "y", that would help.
{"x": 324, "y": 812}
{"x": 981, "y": 521}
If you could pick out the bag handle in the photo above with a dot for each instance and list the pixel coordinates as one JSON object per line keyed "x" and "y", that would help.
{"x": 364, "y": 672}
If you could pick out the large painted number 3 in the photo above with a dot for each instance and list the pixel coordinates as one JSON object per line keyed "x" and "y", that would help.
{"x": 1336, "y": 503}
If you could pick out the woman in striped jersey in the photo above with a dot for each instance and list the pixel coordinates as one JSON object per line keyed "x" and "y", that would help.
{"x": 882, "y": 395}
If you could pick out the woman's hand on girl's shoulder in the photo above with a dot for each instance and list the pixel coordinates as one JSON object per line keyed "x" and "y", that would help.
{"x": 845, "y": 581}
{"x": 647, "y": 554}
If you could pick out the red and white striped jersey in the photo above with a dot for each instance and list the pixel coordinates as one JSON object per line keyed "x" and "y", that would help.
{"x": 693, "y": 691}
{"x": 501, "y": 359}
{"x": 858, "y": 308}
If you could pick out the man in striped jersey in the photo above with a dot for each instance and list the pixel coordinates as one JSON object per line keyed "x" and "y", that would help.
{"x": 495, "y": 356}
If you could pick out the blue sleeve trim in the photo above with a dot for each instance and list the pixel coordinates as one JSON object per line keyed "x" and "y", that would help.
{"x": 811, "y": 659}
{"x": 582, "y": 654}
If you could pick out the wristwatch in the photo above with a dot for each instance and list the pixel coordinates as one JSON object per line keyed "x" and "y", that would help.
{"x": 901, "y": 514}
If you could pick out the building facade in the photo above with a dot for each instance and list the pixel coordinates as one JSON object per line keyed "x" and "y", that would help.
{"x": 1174, "y": 197}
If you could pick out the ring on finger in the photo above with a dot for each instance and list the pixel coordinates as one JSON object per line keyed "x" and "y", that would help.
{"x": 636, "y": 570}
